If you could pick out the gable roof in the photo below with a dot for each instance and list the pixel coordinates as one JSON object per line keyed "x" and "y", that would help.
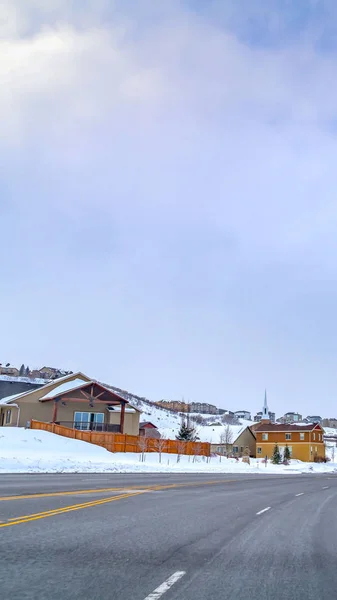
{"x": 145, "y": 423}
{"x": 284, "y": 427}
{"x": 47, "y": 386}
{"x": 242, "y": 431}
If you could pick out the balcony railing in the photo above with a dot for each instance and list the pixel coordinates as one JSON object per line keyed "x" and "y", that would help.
{"x": 85, "y": 426}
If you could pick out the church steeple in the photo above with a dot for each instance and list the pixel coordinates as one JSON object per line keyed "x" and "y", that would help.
{"x": 265, "y": 410}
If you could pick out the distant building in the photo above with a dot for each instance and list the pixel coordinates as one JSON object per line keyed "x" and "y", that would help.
{"x": 193, "y": 407}
{"x": 290, "y": 417}
{"x": 271, "y": 415}
{"x": 7, "y": 370}
{"x": 203, "y": 407}
{"x": 148, "y": 429}
{"x": 331, "y": 422}
{"x": 313, "y": 419}
{"x": 243, "y": 414}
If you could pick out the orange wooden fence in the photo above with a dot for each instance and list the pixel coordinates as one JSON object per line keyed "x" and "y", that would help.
{"x": 121, "y": 442}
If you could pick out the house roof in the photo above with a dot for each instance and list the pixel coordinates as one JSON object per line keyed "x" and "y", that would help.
{"x": 270, "y": 427}
{"x": 105, "y": 395}
{"x": 146, "y": 423}
{"x": 241, "y": 432}
{"x": 64, "y": 387}
{"x": 46, "y": 386}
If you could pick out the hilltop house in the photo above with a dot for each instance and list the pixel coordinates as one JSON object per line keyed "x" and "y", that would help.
{"x": 75, "y": 401}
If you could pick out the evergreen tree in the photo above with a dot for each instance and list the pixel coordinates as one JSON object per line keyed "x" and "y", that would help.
{"x": 286, "y": 456}
{"x": 186, "y": 434}
{"x": 27, "y": 371}
{"x": 276, "y": 457}
{"x": 22, "y": 370}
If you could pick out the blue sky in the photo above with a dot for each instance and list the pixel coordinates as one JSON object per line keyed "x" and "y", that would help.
{"x": 167, "y": 207}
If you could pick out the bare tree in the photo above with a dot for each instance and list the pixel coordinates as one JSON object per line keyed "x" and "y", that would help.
{"x": 142, "y": 445}
{"x": 197, "y": 450}
{"x": 160, "y": 445}
{"x": 227, "y": 438}
{"x": 180, "y": 448}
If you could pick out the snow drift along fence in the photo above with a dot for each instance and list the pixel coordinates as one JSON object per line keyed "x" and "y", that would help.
{"x": 121, "y": 442}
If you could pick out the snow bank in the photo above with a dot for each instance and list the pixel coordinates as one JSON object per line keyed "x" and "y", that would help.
{"x": 34, "y": 451}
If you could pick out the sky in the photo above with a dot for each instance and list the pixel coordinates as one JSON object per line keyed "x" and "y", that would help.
{"x": 168, "y": 211}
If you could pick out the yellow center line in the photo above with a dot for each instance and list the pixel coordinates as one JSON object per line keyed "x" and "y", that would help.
{"x": 52, "y": 513}
{"x": 71, "y": 493}
{"x": 58, "y": 511}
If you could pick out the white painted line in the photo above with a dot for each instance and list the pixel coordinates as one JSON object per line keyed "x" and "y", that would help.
{"x": 326, "y": 487}
{"x": 301, "y": 494}
{"x": 164, "y": 587}
{"x": 264, "y": 510}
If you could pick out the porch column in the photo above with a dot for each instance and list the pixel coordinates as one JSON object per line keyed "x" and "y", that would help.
{"x": 55, "y": 410}
{"x": 122, "y": 416}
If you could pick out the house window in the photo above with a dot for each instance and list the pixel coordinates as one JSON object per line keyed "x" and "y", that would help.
{"x": 314, "y": 436}
{"x": 264, "y": 437}
{"x": 235, "y": 448}
{"x": 8, "y": 416}
{"x": 241, "y": 449}
{"x": 259, "y": 450}
{"x": 302, "y": 437}
{"x": 315, "y": 448}
{"x": 88, "y": 420}
{"x": 288, "y": 436}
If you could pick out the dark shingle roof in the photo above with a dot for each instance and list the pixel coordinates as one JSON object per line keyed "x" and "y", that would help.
{"x": 284, "y": 427}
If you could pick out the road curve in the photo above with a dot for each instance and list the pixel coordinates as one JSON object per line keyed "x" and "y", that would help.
{"x": 147, "y": 537}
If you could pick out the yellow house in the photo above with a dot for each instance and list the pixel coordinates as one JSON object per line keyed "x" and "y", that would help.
{"x": 305, "y": 442}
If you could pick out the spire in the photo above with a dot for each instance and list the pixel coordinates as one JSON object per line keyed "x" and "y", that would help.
{"x": 265, "y": 410}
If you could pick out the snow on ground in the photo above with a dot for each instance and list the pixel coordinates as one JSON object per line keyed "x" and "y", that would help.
{"x": 33, "y": 451}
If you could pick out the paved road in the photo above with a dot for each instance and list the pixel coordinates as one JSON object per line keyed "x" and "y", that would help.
{"x": 101, "y": 537}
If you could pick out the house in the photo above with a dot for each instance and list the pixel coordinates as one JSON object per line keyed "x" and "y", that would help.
{"x": 271, "y": 416}
{"x": 74, "y": 401}
{"x": 305, "y": 442}
{"x": 330, "y": 422}
{"x": 313, "y": 419}
{"x": 8, "y": 370}
{"x": 243, "y": 414}
{"x": 244, "y": 442}
{"x": 148, "y": 429}
{"x": 290, "y": 417}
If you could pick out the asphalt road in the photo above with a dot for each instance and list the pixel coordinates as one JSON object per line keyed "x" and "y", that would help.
{"x": 146, "y": 537}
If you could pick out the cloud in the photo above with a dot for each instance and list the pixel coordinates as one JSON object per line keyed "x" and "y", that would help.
{"x": 184, "y": 166}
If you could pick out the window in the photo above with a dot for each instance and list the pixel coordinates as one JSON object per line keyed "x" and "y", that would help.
{"x": 8, "y": 416}
{"x": 241, "y": 449}
{"x": 288, "y": 436}
{"x": 302, "y": 437}
{"x": 264, "y": 437}
{"x": 315, "y": 448}
{"x": 235, "y": 448}
{"x": 88, "y": 420}
{"x": 259, "y": 450}
{"x": 314, "y": 436}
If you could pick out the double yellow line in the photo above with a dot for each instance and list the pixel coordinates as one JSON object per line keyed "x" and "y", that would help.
{"x": 65, "y": 509}
{"x": 72, "y": 507}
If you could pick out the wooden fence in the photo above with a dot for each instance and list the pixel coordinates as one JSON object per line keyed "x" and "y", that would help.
{"x": 121, "y": 442}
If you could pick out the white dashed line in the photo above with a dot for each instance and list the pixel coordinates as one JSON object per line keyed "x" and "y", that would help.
{"x": 301, "y": 494}
{"x": 164, "y": 587}
{"x": 325, "y": 487}
{"x": 264, "y": 510}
